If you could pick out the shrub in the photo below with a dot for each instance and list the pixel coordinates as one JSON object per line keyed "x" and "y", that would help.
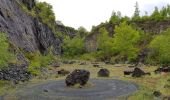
{"x": 160, "y": 47}
{"x": 5, "y": 54}
{"x": 73, "y": 47}
{"x": 125, "y": 42}
{"x": 37, "y": 61}
{"x": 105, "y": 44}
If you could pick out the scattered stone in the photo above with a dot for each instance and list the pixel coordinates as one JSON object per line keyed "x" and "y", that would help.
{"x": 131, "y": 66}
{"x": 69, "y": 62}
{"x": 148, "y": 73}
{"x": 45, "y": 90}
{"x": 162, "y": 69}
{"x": 15, "y": 74}
{"x": 96, "y": 65}
{"x": 157, "y": 93}
{"x": 138, "y": 72}
{"x": 103, "y": 73}
{"x": 56, "y": 65}
{"x": 83, "y": 63}
{"x": 107, "y": 62}
{"x": 78, "y": 76}
{"x": 63, "y": 72}
{"x": 128, "y": 72}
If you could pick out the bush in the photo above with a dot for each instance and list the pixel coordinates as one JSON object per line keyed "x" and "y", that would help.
{"x": 160, "y": 47}
{"x": 45, "y": 12}
{"x": 73, "y": 47}
{"x": 5, "y": 55}
{"x": 37, "y": 61}
{"x": 105, "y": 44}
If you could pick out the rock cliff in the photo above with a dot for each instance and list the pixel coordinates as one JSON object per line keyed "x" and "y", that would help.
{"x": 25, "y": 31}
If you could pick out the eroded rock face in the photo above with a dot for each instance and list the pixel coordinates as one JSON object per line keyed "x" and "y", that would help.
{"x": 103, "y": 73}
{"x": 78, "y": 76}
{"x": 23, "y": 30}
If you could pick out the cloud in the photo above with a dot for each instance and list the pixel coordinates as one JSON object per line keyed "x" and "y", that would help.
{"x": 87, "y": 13}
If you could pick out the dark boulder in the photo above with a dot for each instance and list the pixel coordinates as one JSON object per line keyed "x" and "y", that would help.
{"x": 78, "y": 76}
{"x": 128, "y": 72}
{"x": 63, "y": 72}
{"x": 138, "y": 72}
{"x": 103, "y": 73}
{"x": 162, "y": 69}
{"x": 157, "y": 93}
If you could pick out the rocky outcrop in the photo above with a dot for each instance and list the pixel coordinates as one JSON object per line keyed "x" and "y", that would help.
{"x": 25, "y": 31}
{"x": 77, "y": 77}
{"x": 91, "y": 40}
{"x": 154, "y": 27}
{"x": 65, "y": 30}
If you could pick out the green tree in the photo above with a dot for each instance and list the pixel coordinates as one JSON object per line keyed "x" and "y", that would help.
{"x": 136, "y": 15}
{"x": 82, "y": 32}
{"x": 5, "y": 55}
{"x": 73, "y": 46}
{"x": 164, "y": 13}
{"x": 105, "y": 44}
{"x": 125, "y": 42}
{"x": 116, "y": 17}
{"x": 160, "y": 47}
{"x": 156, "y": 14}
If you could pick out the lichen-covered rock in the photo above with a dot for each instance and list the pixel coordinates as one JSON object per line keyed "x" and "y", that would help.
{"x": 138, "y": 72}
{"x": 103, "y": 73}
{"x": 78, "y": 76}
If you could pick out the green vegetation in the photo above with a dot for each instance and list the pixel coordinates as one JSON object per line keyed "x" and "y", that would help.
{"x": 160, "y": 47}
{"x": 125, "y": 42}
{"x": 5, "y": 55}
{"x": 136, "y": 15}
{"x": 45, "y": 13}
{"x": 105, "y": 44}
{"x": 38, "y": 61}
{"x": 73, "y": 46}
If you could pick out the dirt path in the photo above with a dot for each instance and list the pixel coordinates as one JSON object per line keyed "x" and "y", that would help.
{"x": 103, "y": 89}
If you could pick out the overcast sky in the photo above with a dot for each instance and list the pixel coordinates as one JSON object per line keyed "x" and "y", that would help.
{"x": 86, "y": 13}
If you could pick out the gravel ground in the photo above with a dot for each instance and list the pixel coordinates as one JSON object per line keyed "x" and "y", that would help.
{"x": 103, "y": 89}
